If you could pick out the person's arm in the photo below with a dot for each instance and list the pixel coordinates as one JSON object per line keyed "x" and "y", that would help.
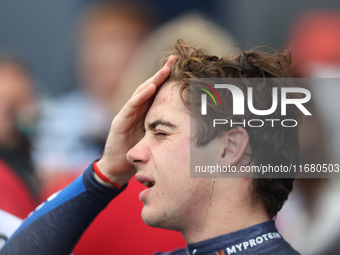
{"x": 56, "y": 226}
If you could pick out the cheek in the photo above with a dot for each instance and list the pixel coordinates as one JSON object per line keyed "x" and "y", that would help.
{"x": 173, "y": 167}
{"x": 210, "y": 155}
{"x": 192, "y": 195}
{"x": 181, "y": 157}
{"x": 176, "y": 187}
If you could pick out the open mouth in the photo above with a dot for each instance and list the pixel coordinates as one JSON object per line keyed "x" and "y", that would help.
{"x": 147, "y": 181}
{"x": 148, "y": 184}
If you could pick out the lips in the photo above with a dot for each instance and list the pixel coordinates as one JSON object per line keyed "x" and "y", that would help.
{"x": 145, "y": 180}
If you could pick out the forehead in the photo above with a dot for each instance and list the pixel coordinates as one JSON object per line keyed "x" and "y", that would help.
{"x": 167, "y": 103}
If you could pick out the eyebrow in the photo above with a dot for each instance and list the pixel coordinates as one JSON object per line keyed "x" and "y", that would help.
{"x": 155, "y": 123}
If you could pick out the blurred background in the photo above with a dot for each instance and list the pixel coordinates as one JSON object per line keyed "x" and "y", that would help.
{"x": 67, "y": 67}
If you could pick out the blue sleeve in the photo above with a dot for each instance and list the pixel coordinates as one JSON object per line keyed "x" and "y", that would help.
{"x": 56, "y": 225}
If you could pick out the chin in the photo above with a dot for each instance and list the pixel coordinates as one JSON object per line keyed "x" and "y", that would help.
{"x": 149, "y": 218}
{"x": 156, "y": 219}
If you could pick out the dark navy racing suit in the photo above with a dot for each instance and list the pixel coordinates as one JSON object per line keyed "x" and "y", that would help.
{"x": 55, "y": 226}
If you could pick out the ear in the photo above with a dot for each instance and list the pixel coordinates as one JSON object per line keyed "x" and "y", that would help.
{"x": 236, "y": 141}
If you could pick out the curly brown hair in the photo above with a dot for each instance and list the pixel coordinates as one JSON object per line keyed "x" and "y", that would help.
{"x": 269, "y": 145}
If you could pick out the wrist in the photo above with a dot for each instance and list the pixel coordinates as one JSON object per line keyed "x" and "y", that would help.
{"x": 101, "y": 174}
{"x": 102, "y": 178}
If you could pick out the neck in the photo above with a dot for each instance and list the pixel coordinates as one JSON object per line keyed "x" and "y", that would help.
{"x": 224, "y": 213}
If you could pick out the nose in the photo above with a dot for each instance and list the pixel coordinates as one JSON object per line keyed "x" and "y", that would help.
{"x": 138, "y": 154}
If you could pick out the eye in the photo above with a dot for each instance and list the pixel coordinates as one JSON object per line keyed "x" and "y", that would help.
{"x": 159, "y": 133}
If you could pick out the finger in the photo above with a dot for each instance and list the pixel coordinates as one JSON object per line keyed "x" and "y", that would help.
{"x": 160, "y": 76}
{"x": 172, "y": 59}
{"x": 139, "y": 99}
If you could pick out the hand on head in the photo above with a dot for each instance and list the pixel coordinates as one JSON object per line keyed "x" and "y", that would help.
{"x": 127, "y": 128}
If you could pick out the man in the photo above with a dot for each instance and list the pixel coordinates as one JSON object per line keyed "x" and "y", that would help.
{"x": 150, "y": 137}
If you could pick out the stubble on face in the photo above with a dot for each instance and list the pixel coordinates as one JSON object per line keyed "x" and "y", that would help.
{"x": 176, "y": 201}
